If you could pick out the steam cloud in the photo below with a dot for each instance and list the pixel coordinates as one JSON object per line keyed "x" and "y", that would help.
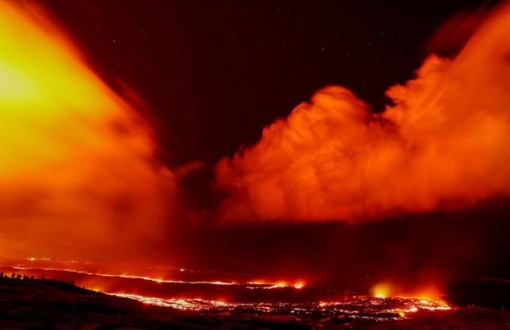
{"x": 77, "y": 165}
{"x": 443, "y": 145}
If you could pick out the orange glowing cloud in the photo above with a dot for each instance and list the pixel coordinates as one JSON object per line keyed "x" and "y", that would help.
{"x": 77, "y": 165}
{"x": 443, "y": 145}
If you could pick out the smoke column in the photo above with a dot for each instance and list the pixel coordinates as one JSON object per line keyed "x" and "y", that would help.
{"x": 443, "y": 145}
{"x": 77, "y": 165}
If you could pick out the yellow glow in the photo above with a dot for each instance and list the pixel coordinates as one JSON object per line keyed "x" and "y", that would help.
{"x": 426, "y": 296}
{"x": 381, "y": 290}
{"x": 43, "y": 87}
{"x": 76, "y": 160}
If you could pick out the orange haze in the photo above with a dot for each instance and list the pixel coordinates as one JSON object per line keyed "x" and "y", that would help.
{"x": 389, "y": 289}
{"x": 77, "y": 165}
{"x": 445, "y": 144}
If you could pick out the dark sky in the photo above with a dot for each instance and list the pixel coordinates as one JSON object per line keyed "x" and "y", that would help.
{"x": 216, "y": 72}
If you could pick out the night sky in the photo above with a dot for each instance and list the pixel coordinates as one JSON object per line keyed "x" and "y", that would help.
{"x": 216, "y": 72}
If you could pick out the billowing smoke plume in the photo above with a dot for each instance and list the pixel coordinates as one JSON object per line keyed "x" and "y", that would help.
{"x": 77, "y": 165}
{"x": 443, "y": 145}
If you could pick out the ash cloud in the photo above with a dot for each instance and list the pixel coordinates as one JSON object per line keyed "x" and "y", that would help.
{"x": 78, "y": 172}
{"x": 442, "y": 146}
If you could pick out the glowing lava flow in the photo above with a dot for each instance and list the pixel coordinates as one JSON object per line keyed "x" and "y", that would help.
{"x": 387, "y": 289}
{"x": 248, "y": 285}
{"x": 428, "y": 299}
{"x": 382, "y": 307}
{"x": 184, "y": 304}
{"x": 362, "y": 307}
{"x": 282, "y": 298}
{"x": 277, "y": 285}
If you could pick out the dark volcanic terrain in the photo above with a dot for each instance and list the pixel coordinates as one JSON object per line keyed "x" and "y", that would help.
{"x": 27, "y": 303}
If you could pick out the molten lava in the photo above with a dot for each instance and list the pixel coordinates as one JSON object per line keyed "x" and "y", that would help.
{"x": 77, "y": 164}
{"x": 442, "y": 146}
{"x": 426, "y": 293}
{"x": 419, "y": 299}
